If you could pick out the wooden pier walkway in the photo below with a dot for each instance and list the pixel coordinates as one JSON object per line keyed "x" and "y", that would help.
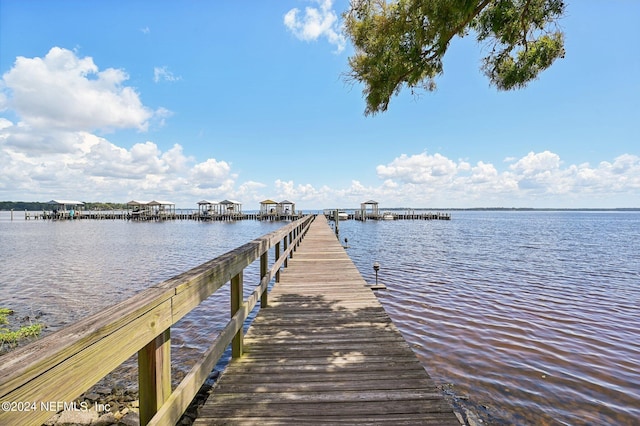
{"x": 324, "y": 351}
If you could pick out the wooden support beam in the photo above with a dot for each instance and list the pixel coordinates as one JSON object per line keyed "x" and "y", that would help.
{"x": 286, "y": 245}
{"x": 277, "y": 256}
{"x": 237, "y": 299}
{"x": 264, "y": 267}
{"x": 154, "y": 375}
{"x": 291, "y": 234}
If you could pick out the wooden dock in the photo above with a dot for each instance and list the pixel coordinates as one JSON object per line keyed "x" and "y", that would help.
{"x": 180, "y": 215}
{"x": 324, "y": 351}
{"x": 186, "y": 214}
{"x": 395, "y": 215}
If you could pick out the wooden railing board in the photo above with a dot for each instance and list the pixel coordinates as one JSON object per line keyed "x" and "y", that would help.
{"x": 70, "y": 378}
{"x": 24, "y": 364}
{"x": 182, "y": 396}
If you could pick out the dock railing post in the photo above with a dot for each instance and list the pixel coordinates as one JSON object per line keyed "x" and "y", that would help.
{"x": 154, "y": 375}
{"x": 277, "y": 256}
{"x": 291, "y": 235}
{"x": 264, "y": 266}
{"x": 286, "y": 245}
{"x": 237, "y": 299}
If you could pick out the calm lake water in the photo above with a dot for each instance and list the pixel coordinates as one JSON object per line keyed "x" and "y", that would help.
{"x": 534, "y": 316}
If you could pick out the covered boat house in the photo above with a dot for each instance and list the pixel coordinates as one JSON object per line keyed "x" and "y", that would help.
{"x": 209, "y": 209}
{"x": 152, "y": 210}
{"x": 162, "y": 210}
{"x": 231, "y": 208}
{"x": 369, "y": 210}
{"x": 65, "y": 209}
{"x": 268, "y": 207}
{"x": 139, "y": 209}
{"x": 286, "y": 208}
{"x": 273, "y": 210}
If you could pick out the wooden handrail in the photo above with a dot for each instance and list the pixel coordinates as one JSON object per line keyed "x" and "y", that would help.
{"x": 63, "y": 365}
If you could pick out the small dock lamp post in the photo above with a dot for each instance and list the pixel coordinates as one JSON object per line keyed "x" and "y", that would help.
{"x": 376, "y": 267}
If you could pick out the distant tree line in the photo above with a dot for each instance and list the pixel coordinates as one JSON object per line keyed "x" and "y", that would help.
{"x": 37, "y": 205}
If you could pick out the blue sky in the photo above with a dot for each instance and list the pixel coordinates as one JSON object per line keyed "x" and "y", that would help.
{"x": 191, "y": 100}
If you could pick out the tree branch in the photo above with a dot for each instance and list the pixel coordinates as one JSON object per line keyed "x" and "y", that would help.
{"x": 525, "y": 7}
{"x": 456, "y": 30}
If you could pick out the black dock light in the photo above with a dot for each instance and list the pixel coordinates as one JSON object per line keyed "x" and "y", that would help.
{"x": 376, "y": 267}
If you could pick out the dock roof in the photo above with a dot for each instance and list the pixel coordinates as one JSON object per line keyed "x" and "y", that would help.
{"x": 137, "y": 203}
{"x": 150, "y": 203}
{"x": 66, "y": 202}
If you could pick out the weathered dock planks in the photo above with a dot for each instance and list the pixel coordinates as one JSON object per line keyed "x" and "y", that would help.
{"x": 324, "y": 351}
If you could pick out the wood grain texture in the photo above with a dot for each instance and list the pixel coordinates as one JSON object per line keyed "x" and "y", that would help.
{"x": 324, "y": 351}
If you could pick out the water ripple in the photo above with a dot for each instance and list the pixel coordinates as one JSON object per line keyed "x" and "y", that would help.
{"x": 532, "y": 314}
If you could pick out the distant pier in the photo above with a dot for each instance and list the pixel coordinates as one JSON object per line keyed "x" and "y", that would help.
{"x": 225, "y": 217}
{"x": 213, "y": 211}
{"x": 157, "y": 217}
{"x": 405, "y": 215}
{"x": 370, "y": 210}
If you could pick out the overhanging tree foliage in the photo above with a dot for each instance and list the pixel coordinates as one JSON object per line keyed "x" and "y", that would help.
{"x": 401, "y": 43}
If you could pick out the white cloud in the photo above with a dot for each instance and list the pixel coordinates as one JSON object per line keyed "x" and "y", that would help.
{"x": 483, "y": 173}
{"x": 533, "y": 163}
{"x": 537, "y": 179}
{"x": 108, "y": 160}
{"x": 287, "y": 190}
{"x": 3, "y": 99}
{"x": 163, "y": 74}
{"x": 316, "y": 23}
{"x": 65, "y": 92}
{"x": 419, "y": 169}
{"x": 97, "y": 169}
{"x": 212, "y": 174}
{"x": 249, "y": 190}
{"x": 4, "y": 123}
